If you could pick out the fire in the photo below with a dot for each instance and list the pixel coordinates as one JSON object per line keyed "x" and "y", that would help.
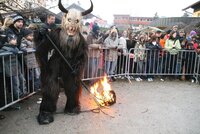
{"x": 103, "y": 93}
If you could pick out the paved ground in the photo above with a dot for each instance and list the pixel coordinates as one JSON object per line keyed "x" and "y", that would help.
{"x": 142, "y": 107}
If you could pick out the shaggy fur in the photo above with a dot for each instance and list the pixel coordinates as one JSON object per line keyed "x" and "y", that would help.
{"x": 75, "y": 51}
{"x": 72, "y": 45}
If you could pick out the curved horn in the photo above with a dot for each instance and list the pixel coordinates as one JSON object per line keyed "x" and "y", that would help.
{"x": 61, "y": 7}
{"x": 89, "y": 10}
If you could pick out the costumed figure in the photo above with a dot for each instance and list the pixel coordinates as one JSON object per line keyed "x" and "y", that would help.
{"x": 74, "y": 48}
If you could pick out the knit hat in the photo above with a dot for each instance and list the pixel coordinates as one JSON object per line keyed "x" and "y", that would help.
{"x": 192, "y": 33}
{"x": 17, "y": 17}
{"x": 27, "y": 32}
{"x": 95, "y": 28}
{"x": 11, "y": 37}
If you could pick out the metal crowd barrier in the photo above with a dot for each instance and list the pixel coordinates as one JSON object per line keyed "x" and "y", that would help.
{"x": 99, "y": 60}
{"x": 153, "y": 63}
{"x": 161, "y": 62}
{"x": 125, "y": 63}
{"x": 197, "y": 69}
{"x": 17, "y": 80}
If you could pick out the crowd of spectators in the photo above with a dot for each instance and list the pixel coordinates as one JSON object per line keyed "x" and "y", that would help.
{"x": 169, "y": 54}
{"x": 18, "y": 65}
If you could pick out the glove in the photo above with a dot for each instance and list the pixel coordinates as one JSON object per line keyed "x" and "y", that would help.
{"x": 43, "y": 30}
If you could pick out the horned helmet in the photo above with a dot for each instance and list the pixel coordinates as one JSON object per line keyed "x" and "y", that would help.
{"x": 71, "y": 20}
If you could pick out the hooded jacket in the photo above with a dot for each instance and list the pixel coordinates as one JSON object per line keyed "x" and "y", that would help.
{"x": 112, "y": 47}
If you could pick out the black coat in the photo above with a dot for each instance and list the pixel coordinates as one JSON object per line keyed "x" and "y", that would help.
{"x": 19, "y": 34}
{"x": 153, "y": 51}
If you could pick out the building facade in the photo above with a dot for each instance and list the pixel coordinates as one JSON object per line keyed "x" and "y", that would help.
{"x": 127, "y": 21}
{"x": 196, "y": 9}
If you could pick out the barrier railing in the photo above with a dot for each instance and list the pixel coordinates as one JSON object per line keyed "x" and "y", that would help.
{"x": 17, "y": 78}
{"x": 197, "y": 69}
{"x": 20, "y": 80}
{"x": 161, "y": 62}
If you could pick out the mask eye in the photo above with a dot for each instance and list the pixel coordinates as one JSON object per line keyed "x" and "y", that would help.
{"x": 69, "y": 19}
{"x": 77, "y": 21}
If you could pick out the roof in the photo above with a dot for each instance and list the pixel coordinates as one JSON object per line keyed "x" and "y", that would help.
{"x": 77, "y": 7}
{"x": 170, "y": 21}
{"x": 192, "y": 6}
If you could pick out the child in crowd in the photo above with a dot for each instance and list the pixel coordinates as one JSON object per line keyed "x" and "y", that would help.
{"x": 13, "y": 68}
{"x": 27, "y": 46}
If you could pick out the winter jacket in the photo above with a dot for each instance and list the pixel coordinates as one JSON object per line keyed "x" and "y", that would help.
{"x": 123, "y": 45}
{"x": 19, "y": 34}
{"x": 139, "y": 52}
{"x": 112, "y": 48}
{"x": 28, "y": 48}
{"x": 94, "y": 44}
{"x": 153, "y": 51}
{"x": 172, "y": 50}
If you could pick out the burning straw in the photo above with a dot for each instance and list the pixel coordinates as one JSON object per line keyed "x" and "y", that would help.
{"x": 103, "y": 93}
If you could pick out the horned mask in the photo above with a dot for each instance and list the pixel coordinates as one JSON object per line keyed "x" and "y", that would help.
{"x": 71, "y": 21}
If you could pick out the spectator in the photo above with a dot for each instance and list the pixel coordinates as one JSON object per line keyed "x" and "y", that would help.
{"x": 182, "y": 38}
{"x": 175, "y": 28}
{"x": 28, "y": 47}
{"x": 180, "y": 58}
{"x": 111, "y": 43}
{"x": 17, "y": 28}
{"x": 7, "y": 22}
{"x": 95, "y": 44}
{"x": 198, "y": 50}
{"x": 192, "y": 33}
{"x": 167, "y": 34}
{"x": 122, "y": 53}
{"x": 29, "y": 20}
{"x": 158, "y": 35}
{"x": 152, "y": 57}
{"x": 194, "y": 42}
{"x": 172, "y": 46}
{"x": 190, "y": 56}
{"x": 50, "y": 23}
{"x": 162, "y": 40}
{"x": 122, "y": 43}
{"x": 162, "y": 58}
{"x": 86, "y": 30}
{"x": 13, "y": 68}
{"x": 32, "y": 26}
{"x": 139, "y": 57}
{"x": 36, "y": 20}
{"x": 131, "y": 42}
{"x": 46, "y": 27}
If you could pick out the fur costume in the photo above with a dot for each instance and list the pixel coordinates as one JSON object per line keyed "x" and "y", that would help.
{"x": 73, "y": 46}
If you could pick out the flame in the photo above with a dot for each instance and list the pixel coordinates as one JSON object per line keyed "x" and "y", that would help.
{"x": 106, "y": 96}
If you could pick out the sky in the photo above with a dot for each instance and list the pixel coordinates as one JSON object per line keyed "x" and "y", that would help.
{"x": 136, "y": 8}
